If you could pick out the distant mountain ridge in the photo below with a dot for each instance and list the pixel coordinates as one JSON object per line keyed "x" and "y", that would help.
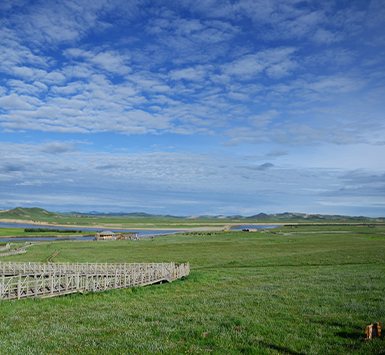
{"x": 36, "y": 213}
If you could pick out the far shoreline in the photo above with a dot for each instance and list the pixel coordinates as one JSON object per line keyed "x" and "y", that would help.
{"x": 215, "y": 226}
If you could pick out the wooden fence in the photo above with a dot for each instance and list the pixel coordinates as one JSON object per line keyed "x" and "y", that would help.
{"x": 14, "y": 252}
{"x": 6, "y": 247}
{"x": 23, "y": 280}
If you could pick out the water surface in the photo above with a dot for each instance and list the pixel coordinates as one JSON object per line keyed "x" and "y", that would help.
{"x": 251, "y": 226}
{"x": 140, "y": 233}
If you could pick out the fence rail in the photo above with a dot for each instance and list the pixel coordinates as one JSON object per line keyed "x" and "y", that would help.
{"x": 24, "y": 280}
{"x": 14, "y": 252}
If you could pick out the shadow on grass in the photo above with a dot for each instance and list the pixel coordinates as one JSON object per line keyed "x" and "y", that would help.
{"x": 278, "y": 348}
{"x": 353, "y": 332}
{"x": 355, "y": 335}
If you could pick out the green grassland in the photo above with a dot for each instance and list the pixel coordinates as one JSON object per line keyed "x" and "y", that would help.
{"x": 295, "y": 291}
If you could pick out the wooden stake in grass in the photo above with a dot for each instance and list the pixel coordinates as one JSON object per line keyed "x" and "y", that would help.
{"x": 240, "y": 327}
{"x": 373, "y": 331}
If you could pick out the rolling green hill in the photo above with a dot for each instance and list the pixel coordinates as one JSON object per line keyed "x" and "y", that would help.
{"x": 33, "y": 213}
{"x": 289, "y": 217}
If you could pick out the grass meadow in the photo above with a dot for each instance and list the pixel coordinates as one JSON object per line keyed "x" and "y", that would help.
{"x": 295, "y": 292}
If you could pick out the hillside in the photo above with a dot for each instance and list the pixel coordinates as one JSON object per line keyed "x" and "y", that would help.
{"x": 33, "y": 213}
{"x": 311, "y": 218}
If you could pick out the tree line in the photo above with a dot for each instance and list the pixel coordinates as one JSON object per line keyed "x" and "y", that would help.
{"x": 40, "y": 230}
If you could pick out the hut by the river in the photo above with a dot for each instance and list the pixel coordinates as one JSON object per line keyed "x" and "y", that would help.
{"x": 105, "y": 235}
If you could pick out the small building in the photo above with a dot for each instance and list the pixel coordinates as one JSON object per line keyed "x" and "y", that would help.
{"x": 105, "y": 235}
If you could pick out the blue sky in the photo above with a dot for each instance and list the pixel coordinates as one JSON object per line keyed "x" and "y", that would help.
{"x": 193, "y": 107}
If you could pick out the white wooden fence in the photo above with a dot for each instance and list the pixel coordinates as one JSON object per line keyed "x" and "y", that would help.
{"x": 22, "y": 280}
{"x": 14, "y": 252}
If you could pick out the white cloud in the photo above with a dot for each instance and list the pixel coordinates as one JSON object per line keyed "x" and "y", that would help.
{"x": 21, "y": 87}
{"x": 58, "y": 148}
{"x": 278, "y": 152}
{"x": 263, "y": 119}
{"x": 30, "y": 183}
{"x": 325, "y": 36}
{"x": 14, "y": 101}
{"x": 111, "y": 61}
{"x": 54, "y": 78}
{"x": 194, "y": 74}
{"x": 23, "y": 72}
{"x": 276, "y": 62}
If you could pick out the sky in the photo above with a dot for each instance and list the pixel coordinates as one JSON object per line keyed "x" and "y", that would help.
{"x": 193, "y": 107}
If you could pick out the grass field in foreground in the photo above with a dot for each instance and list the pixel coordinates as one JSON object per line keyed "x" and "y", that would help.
{"x": 303, "y": 293}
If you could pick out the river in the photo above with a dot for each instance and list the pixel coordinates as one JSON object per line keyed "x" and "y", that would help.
{"x": 140, "y": 233}
{"x": 252, "y": 226}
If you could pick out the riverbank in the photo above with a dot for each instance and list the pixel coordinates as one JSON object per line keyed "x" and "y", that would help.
{"x": 196, "y": 227}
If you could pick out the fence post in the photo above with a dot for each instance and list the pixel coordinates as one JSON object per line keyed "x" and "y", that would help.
{"x": 51, "y": 281}
{"x": 162, "y": 271}
{"x": 2, "y": 288}
{"x": 35, "y": 285}
{"x": 19, "y": 287}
